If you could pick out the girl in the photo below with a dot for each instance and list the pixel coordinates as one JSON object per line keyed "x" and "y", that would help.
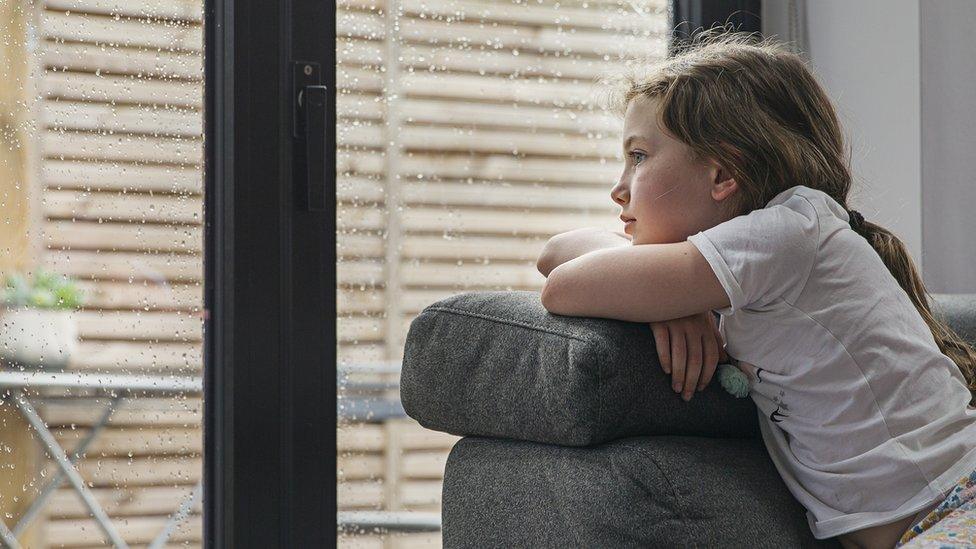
{"x": 735, "y": 173}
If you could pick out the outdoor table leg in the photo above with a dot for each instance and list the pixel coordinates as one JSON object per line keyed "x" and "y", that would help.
{"x": 79, "y": 484}
{"x": 8, "y": 537}
{"x": 58, "y": 478}
{"x": 178, "y": 516}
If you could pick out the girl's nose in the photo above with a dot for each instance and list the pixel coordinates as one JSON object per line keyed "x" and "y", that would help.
{"x": 618, "y": 194}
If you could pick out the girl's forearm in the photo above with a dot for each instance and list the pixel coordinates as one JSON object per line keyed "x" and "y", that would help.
{"x": 569, "y": 245}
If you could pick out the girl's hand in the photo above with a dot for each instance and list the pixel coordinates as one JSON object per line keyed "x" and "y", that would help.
{"x": 689, "y": 348}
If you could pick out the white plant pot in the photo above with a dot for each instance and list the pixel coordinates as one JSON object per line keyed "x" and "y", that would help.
{"x": 40, "y": 338}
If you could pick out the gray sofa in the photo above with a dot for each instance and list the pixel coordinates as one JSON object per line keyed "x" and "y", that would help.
{"x": 572, "y": 436}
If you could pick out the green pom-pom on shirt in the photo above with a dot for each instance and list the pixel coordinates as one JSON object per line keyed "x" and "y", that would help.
{"x": 733, "y": 380}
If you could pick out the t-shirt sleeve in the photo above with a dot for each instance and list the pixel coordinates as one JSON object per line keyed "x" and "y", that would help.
{"x": 764, "y": 255}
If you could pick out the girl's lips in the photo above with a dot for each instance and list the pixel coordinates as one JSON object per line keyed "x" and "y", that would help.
{"x": 628, "y": 223}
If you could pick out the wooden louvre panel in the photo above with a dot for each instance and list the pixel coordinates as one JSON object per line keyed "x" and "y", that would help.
{"x": 455, "y": 164}
{"x": 119, "y": 139}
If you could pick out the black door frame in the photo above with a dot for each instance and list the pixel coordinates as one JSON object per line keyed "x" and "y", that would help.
{"x": 269, "y": 291}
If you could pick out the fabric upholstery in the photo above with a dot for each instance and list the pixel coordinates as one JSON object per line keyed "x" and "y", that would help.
{"x": 660, "y": 491}
{"x": 497, "y": 363}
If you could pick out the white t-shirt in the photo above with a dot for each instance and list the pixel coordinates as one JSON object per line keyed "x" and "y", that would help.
{"x": 864, "y": 418}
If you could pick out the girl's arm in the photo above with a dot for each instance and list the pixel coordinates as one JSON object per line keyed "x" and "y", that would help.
{"x": 569, "y": 245}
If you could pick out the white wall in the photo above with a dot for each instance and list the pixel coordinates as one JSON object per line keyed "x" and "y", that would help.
{"x": 900, "y": 73}
{"x": 948, "y": 145}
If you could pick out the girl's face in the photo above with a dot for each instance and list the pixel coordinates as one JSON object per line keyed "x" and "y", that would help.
{"x": 668, "y": 193}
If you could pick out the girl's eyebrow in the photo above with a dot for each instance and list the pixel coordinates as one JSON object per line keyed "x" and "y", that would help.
{"x": 632, "y": 138}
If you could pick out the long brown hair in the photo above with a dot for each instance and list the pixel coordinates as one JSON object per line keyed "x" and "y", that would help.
{"x": 755, "y": 107}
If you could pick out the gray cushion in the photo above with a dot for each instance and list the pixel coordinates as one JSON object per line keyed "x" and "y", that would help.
{"x": 498, "y": 364}
{"x": 665, "y": 491}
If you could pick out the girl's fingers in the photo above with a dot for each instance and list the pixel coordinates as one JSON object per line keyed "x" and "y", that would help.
{"x": 663, "y": 345}
{"x": 678, "y": 352}
{"x": 694, "y": 364}
{"x": 710, "y": 362}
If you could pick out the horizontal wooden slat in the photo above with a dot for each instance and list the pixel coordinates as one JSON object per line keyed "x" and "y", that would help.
{"x": 423, "y": 465}
{"x": 151, "y": 62}
{"x": 358, "y": 244}
{"x": 356, "y": 353}
{"x": 123, "y": 502}
{"x": 181, "y": 151}
{"x": 184, "y": 358}
{"x": 502, "y": 194}
{"x": 359, "y": 437}
{"x": 123, "y": 207}
{"x": 86, "y": 235}
{"x": 79, "y": 86}
{"x": 420, "y": 492}
{"x": 134, "y": 357}
{"x": 136, "y": 441}
{"x": 369, "y": 54}
{"x": 462, "y": 114}
{"x": 583, "y": 42}
{"x": 171, "y": 9}
{"x": 355, "y": 109}
{"x": 506, "y": 141}
{"x": 130, "y": 32}
{"x": 137, "y": 471}
{"x": 136, "y": 411}
{"x": 126, "y": 266}
{"x": 110, "y": 176}
{"x": 360, "y": 24}
{"x": 137, "y": 325}
{"x": 502, "y": 167}
{"x": 500, "y": 89}
{"x": 123, "y": 471}
{"x": 542, "y": 14}
{"x": 513, "y": 222}
{"x": 412, "y": 436}
{"x": 359, "y": 494}
{"x": 105, "y": 117}
{"x": 460, "y": 246}
{"x": 358, "y": 466}
{"x": 496, "y": 275}
{"x": 413, "y": 300}
{"x": 75, "y": 533}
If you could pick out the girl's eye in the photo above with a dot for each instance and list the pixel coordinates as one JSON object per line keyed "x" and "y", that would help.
{"x": 633, "y": 153}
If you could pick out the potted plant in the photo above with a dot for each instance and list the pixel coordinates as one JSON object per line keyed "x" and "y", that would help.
{"x": 37, "y": 322}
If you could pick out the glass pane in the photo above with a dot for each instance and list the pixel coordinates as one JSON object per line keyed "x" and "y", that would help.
{"x": 101, "y": 247}
{"x": 469, "y": 133}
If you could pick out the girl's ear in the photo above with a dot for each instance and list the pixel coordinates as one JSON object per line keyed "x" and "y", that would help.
{"x": 723, "y": 182}
{"x": 723, "y": 179}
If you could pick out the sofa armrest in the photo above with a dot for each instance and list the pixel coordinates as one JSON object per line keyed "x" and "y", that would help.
{"x": 498, "y": 364}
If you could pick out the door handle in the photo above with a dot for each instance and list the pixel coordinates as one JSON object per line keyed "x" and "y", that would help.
{"x": 313, "y": 104}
